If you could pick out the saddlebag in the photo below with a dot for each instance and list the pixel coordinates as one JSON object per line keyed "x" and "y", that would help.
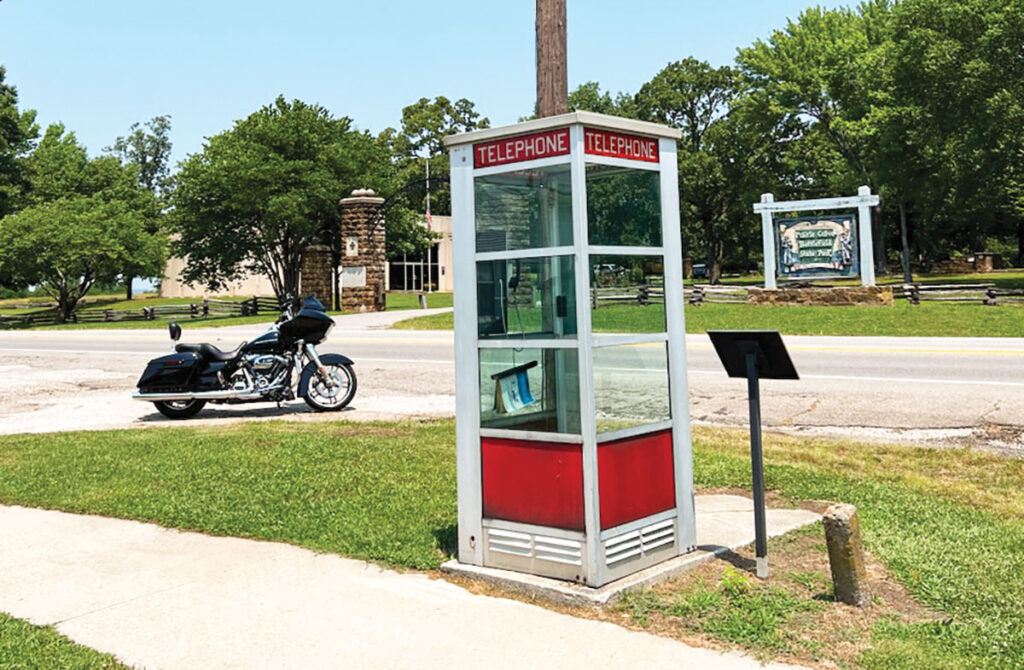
{"x": 170, "y": 373}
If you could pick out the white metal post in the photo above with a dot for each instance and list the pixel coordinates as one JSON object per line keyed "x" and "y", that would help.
{"x": 675, "y": 322}
{"x": 467, "y": 392}
{"x": 867, "y": 246}
{"x": 588, "y": 419}
{"x": 768, "y": 240}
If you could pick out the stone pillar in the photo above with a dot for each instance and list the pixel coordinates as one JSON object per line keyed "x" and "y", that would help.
{"x": 363, "y": 260}
{"x": 845, "y": 555}
{"x": 317, "y": 273}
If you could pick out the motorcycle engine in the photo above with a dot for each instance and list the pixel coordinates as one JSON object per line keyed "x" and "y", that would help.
{"x": 267, "y": 370}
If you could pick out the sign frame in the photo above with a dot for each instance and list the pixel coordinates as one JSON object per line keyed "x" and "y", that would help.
{"x": 862, "y": 202}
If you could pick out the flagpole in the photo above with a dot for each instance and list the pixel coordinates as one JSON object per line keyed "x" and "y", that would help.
{"x": 430, "y": 285}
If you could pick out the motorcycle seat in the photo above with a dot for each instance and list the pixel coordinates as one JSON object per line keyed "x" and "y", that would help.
{"x": 210, "y": 352}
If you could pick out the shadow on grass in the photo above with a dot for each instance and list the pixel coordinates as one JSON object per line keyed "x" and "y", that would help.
{"x": 731, "y": 557}
{"x": 447, "y": 538}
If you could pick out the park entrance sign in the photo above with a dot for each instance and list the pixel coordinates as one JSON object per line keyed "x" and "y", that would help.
{"x": 824, "y": 246}
{"x": 819, "y": 246}
{"x": 573, "y": 448}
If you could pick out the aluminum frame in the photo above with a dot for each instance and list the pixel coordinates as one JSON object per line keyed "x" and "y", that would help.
{"x": 467, "y": 343}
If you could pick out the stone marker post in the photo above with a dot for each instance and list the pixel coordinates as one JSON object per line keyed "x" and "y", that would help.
{"x": 363, "y": 260}
{"x": 316, "y": 274}
{"x": 845, "y": 554}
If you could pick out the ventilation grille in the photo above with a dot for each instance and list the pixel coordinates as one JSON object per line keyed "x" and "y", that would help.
{"x": 528, "y": 545}
{"x": 637, "y": 543}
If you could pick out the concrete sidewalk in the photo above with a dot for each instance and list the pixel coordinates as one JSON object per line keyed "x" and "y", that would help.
{"x": 159, "y": 598}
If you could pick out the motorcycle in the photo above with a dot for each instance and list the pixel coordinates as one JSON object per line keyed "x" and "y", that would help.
{"x": 263, "y": 370}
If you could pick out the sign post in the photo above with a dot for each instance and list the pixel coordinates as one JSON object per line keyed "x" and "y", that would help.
{"x": 754, "y": 354}
{"x": 860, "y": 256}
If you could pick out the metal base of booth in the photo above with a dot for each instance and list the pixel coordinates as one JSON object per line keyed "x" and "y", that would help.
{"x": 724, "y": 523}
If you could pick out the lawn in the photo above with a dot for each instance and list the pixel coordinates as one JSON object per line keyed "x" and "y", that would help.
{"x": 401, "y": 300}
{"x": 1010, "y": 278}
{"x": 928, "y": 319}
{"x": 24, "y": 646}
{"x": 395, "y": 301}
{"x": 948, "y": 524}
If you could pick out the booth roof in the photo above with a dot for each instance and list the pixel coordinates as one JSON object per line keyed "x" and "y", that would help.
{"x": 588, "y": 119}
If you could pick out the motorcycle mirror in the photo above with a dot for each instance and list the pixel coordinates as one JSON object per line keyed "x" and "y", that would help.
{"x": 175, "y": 331}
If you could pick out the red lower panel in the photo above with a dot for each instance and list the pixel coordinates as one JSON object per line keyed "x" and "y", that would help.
{"x": 636, "y": 478}
{"x": 533, "y": 482}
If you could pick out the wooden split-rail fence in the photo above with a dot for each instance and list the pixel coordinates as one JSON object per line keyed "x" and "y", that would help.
{"x": 647, "y": 294}
{"x": 209, "y": 307}
{"x": 987, "y": 294}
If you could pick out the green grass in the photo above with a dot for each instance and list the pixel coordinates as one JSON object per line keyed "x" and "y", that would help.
{"x": 383, "y": 492}
{"x": 737, "y": 609}
{"x": 185, "y": 321}
{"x": 1010, "y": 278}
{"x": 902, "y": 319}
{"x": 24, "y": 647}
{"x": 395, "y": 301}
{"x": 947, "y": 523}
{"x": 400, "y": 300}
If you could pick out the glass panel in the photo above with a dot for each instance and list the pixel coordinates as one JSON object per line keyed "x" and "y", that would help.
{"x": 530, "y": 389}
{"x": 528, "y": 297}
{"x": 630, "y": 386}
{"x": 623, "y": 206}
{"x": 525, "y": 209}
{"x": 627, "y": 294}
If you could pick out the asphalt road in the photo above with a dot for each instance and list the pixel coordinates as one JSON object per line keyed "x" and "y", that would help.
{"x": 914, "y": 389}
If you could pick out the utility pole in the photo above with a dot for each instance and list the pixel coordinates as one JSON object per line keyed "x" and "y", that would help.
{"x": 552, "y": 76}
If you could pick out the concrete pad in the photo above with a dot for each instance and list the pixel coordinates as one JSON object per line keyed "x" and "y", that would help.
{"x": 158, "y": 598}
{"x": 724, "y": 523}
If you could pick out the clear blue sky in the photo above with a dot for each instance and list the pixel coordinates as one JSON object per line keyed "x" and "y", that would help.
{"x": 100, "y": 66}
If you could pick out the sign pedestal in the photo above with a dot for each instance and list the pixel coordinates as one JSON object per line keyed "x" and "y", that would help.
{"x": 754, "y": 354}
{"x": 842, "y": 250}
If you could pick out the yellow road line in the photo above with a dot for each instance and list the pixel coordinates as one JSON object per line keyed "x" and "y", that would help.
{"x": 384, "y": 339}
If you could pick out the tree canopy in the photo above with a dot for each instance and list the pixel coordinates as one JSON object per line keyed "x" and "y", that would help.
{"x": 83, "y": 222}
{"x": 923, "y": 100}
{"x": 148, "y": 149}
{"x": 420, "y": 140}
{"x": 258, "y": 194}
{"x": 18, "y": 129}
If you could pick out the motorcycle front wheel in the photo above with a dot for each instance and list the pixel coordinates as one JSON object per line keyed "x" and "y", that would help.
{"x": 324, "y": 397}
{"x": 179, "y": 409}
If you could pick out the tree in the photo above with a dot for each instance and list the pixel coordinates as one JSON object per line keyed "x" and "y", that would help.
{"x": 84, "y": 220}
{"x": 259, "y": 194}
{"x": 694, "y": 97}
{"x": 67, "y": 245}
{"x": 148, "y": 151}
{"x": 958, "y": 65}
{"x": 425, "y": 124}
{"x": 17, "y": 132}
{"x": 589, "y": 97}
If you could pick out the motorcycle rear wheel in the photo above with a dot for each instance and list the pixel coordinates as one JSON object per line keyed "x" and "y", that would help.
{"x": 179, "y": 409}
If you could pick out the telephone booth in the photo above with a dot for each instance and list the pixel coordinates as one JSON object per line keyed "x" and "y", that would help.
{"x": 572, "y": 418}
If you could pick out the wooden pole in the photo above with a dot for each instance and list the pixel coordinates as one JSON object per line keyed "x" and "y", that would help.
{"x": 552, "y": 76}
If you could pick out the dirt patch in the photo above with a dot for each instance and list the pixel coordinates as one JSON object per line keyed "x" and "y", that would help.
{"x": 792, "y": 617}
{"x": 998, "y": 438}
